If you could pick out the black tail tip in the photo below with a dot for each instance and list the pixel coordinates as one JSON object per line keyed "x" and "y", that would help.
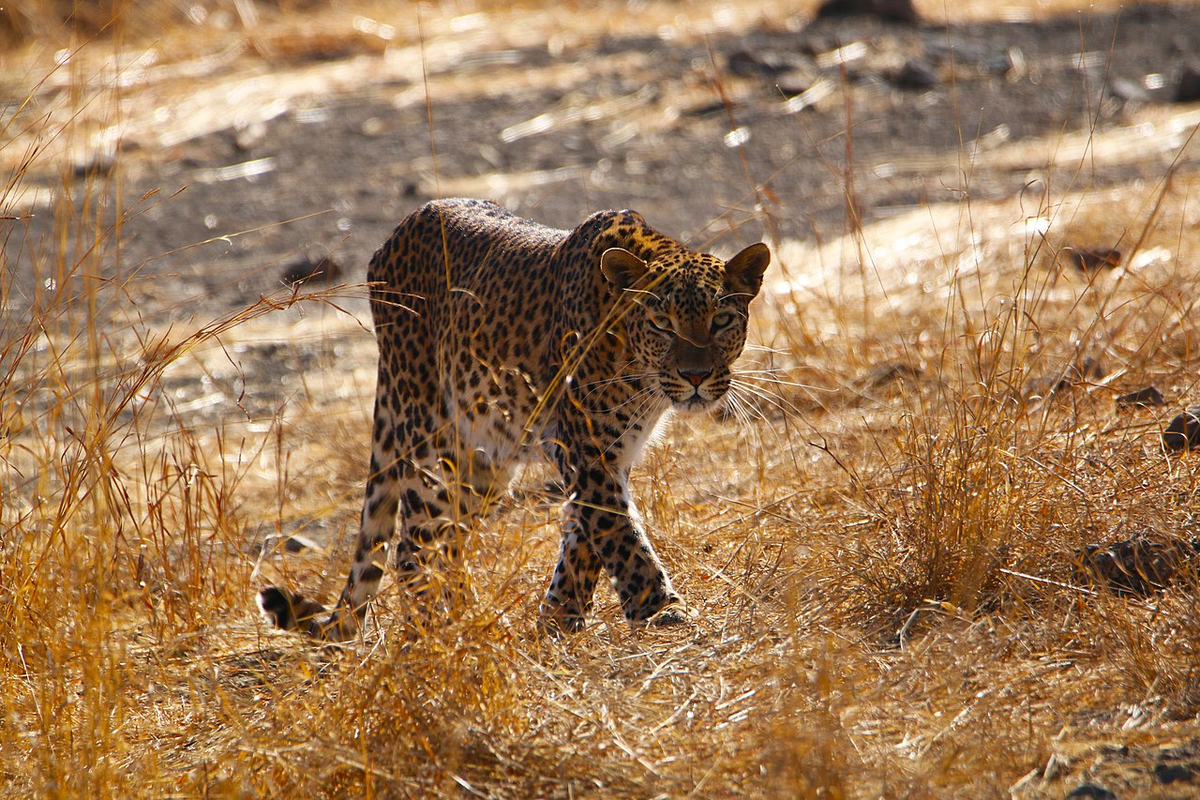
{"x": 277, "y": 607}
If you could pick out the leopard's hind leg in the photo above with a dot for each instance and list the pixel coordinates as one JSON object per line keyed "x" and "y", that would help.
{"x": 291, "y": 611}
{"x": 426, "y": 488}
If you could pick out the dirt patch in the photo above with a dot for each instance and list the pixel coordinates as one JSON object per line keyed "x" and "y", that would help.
{"x": 801, "y": 132}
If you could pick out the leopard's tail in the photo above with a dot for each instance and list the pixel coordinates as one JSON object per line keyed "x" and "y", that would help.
{"x": 292, "y": 612}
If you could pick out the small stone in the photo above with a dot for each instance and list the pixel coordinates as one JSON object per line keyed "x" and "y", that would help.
{"x": 755, "y": 62}
{"x": 304, "y": 270}
{"x": 298, "y": 544}
{"x": 889, "y": 10}
{"x": 1188, "y": 88}
{"x": 916, "y": 74}
{"x": 1091, "y": 259}
{"x": 1176, "y": 773}
{"x": 1147, "y": 397}
{"x": 1092, "y": 790}
{"x": 1183, "y": 432}
{"x": 1134, "y": 566}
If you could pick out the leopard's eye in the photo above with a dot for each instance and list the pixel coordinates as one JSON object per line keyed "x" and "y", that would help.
{"x": 660, "y": 322}
{"x": 722, "y": 320}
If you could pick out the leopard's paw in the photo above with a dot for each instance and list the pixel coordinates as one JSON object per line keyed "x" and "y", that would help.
{"x": 559, "y": 625}
{"x": 673, "y": 614}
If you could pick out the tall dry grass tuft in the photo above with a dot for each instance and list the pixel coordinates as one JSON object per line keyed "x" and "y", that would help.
{"x": 122, "y": 522}
{"x": 883, "y": 538}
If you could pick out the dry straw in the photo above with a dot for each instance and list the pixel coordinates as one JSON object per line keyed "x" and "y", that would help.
{"x": 881, "y": 540}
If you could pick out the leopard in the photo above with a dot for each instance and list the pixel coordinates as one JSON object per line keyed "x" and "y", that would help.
{"x": 503, "y": 342}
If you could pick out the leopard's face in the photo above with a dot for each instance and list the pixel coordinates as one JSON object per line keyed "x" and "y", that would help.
{"x": 686, "y": 323}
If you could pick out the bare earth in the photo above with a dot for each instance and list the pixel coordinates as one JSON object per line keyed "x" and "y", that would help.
{"x": 702, "y": 138}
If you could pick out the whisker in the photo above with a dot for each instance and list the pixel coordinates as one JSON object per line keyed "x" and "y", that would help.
{"x": 774, "y": 400}
{"x": 762, "y": 348}
{"x": 768, "y": 378}
{"x": 743, "y": 411}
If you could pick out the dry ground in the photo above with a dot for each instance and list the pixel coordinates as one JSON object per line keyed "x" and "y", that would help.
{"x": 881, "y": 536}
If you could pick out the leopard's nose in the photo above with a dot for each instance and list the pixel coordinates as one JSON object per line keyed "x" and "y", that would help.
{"x": 695, "y": 376}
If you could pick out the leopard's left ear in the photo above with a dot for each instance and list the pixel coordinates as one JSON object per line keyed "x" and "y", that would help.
{"x": 744, "y": 272}
{"x": 622, "y": 268}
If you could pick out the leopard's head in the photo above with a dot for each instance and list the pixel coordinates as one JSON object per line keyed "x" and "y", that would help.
{"x": 686, "y": 319}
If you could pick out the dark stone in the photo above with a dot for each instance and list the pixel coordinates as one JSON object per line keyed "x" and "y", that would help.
{"x": 756, "y": 62}
{"x": 1176, "y": 773}
{"x": 304, "y": 270}
{"x": 1134, "y": 566}
{"x": 1091, "y": 259}
{"x": 1092, "y": 790}
{"x": 889, "y": 10}
{"x": 1188, "y": 88}
{"x": 1183, "y": 432}
{"x": 916, "y": 74}
{"x": 1147, "y": 397}
{"x": 298, "y": 544}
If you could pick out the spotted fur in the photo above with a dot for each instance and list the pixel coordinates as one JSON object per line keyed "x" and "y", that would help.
{"x": 500, "y": 339}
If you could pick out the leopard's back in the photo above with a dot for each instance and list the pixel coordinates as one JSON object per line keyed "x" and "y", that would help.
{"x": 462, "y": 296}
{"x": 461, "y": 243}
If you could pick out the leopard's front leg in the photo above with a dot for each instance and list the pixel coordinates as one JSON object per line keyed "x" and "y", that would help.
{"x": 602, "y": 530}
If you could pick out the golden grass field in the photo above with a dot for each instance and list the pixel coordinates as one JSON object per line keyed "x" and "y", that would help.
{"x": 881, "y": 543}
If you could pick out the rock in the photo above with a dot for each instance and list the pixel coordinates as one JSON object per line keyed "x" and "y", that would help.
{"x": 1183, "y": 432}
{"x": 294, "y": 543}
{"x": 1092, "y": 790}
{"x": 890, "y": 10}
{"x": 1091, "y": 259}
{"x": 304, "y": 269}
{"x": 1147, "y": 397}
{"x": 917, "y": 73}
{"x": 1176, "y": 773}
{"x": 298, "y": 544}
{"x": 1134, "y": 566}
{"x": 1188, "y": 88}
{"x": 757, "y": 62}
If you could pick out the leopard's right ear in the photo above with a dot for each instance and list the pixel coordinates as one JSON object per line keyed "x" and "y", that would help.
{"x": 744, "y": 272}
{"x": 622, "y": 268}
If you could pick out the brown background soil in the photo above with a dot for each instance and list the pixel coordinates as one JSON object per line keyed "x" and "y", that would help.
{"x": 348, "y": 166}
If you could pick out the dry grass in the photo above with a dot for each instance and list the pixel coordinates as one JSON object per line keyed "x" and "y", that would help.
{"x": 881, "y": 546}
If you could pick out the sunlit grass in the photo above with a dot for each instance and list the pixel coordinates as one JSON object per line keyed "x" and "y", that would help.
{"x": 881, "y": 543}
